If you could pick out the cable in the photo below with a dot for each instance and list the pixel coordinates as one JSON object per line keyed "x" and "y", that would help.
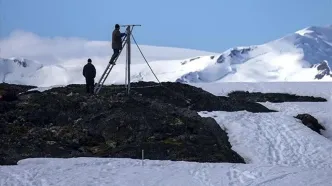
{"x": 145, "y": 58}
{"x": 187, "y": 100}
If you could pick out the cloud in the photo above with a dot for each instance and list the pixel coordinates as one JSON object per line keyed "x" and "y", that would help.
{"x": 64, "y": 58}
{"x": 51, "y": 50}
{"x": 57, "y": 50}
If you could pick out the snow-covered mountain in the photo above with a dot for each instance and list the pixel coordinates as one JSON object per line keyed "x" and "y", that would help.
{"x": 17, "y": 68}
{"x": 301, "y": 56}
{"x": 290, "y": 58}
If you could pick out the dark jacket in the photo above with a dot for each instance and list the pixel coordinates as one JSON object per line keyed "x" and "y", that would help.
{"x": 89, "y": 71}
{"x": 117, "y": 39}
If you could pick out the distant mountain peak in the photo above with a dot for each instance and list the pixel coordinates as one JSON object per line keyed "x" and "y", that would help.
{"x": 21, "y": 62}
{"x": 288, "y": 58}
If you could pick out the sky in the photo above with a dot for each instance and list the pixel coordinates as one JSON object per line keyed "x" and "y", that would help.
{"x": 211, "y": 25}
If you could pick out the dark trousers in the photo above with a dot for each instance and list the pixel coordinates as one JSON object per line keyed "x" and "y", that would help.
{"x": 90, "y": 85}
{"x": 116, "y": 52}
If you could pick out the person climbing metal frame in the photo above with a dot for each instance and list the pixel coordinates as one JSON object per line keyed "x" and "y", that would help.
{"x": 127, "y": 84}
{"x": 111, "y": 65}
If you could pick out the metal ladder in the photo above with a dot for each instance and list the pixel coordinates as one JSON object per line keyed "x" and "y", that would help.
{"x": 108, "y": 69}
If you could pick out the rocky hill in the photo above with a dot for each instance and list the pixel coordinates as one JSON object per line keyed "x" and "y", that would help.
{"x": 66, "y": 122}
{"x": 161, "y": 120}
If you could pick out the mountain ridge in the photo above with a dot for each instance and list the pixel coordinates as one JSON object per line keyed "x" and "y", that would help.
{"x": 301, "y": 49}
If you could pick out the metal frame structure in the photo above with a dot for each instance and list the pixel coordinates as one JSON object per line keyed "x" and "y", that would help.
{"x": 126, "y": 41}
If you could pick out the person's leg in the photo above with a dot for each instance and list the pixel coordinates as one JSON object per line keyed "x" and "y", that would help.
{"x": 92, "y": 86}
{"x": 87, "y": 85}
{"x": 115, "y": 54}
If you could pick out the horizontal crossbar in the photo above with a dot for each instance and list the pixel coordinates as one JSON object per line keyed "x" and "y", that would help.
{"x": 129, "y": 25}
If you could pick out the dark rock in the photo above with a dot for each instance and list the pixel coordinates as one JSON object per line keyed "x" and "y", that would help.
{"x": 238, "y": 51}
{"x": 323, "y": 70}
{"x": 192, "y": 59}
{"x": 21, "y": 62}
{"x": 183, "y": 95}
{"x": 111, "y": 124}
{"x": 221, "y": 59}
{"x": 14, "y": 88}
{"x": 8, "y": 96}
{"x": 272, "y": 97}
{"x": 310, "y": 122}
{"x": 178, "y": 94}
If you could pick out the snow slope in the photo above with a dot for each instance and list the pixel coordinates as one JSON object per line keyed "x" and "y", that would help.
{"x": 275, "y": 139}
{"x": 278, "y": 138}
{"x": 321, "y": 111}
{"x": 289, "y": 58}
{"x": 295, "y": 57}
{"x": 17, "y": 68}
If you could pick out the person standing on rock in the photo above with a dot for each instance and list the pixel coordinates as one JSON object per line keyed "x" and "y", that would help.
{"x": 116, "y": 42}
{"x": 89, "y": 72}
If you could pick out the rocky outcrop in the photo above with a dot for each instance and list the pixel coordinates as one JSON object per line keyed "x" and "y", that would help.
{"x": 6, "y": 88}
{"x": 239, "y": 53}
{"x": 311, "y": 122}
{"x": 11, "y": 92}
{"x": 66, "y": 122}
{"x": 186, "y": 96}
{"x": 272, "y": 97}
{"x": 323, "y": 70}
{"x": 180, "y": 95}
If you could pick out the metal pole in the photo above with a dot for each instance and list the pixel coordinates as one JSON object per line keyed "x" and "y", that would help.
{"x": 126, "y": 71}
{"x": 128, "y": 59}
{"x": 142, "y": 157}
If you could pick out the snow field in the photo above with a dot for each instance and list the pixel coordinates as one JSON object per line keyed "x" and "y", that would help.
{"x": 128, "y": 172}
{"x": 278, "y": 138}
{"x": 321, "y": 111}
{"x": 274, "y": 139}
{"x": 318, "y": 89}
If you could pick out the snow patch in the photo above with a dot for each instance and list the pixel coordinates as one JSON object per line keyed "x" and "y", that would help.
{"x": 274, "y": 139}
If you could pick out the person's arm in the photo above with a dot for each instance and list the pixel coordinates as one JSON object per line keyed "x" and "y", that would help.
{"x": 84, "y": 71}
{"x": 94, "y": 71}
{"x": 123, "y": 34}
{"x": 117, "y": 33}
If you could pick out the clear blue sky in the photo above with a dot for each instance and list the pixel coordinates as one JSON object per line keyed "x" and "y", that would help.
{"x": 211, "y": 25}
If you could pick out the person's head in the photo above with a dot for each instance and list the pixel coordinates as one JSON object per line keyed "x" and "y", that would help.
{"x": 89, "y": 60}
{"x": 117, "y": 26}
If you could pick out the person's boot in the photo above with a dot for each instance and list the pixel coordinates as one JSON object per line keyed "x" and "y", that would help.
{"x": 112, "y": 61}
